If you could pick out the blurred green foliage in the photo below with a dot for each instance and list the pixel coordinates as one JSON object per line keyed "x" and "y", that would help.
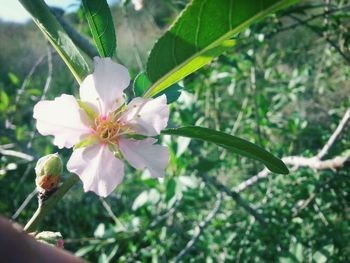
{"x": 283, "y": 87}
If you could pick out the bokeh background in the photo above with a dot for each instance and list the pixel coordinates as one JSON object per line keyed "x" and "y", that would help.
{"x": 285, "y": 87}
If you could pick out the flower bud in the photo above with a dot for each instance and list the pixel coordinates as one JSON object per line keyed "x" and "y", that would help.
{"x": 50, "y": 238}
{"x": 48, "y": 170}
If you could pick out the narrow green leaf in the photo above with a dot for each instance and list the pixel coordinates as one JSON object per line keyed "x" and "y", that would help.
{"x": 57, "y": 36}
{"x": 142, "y": 83}
{"x": 101, "y": 25}
{"x": 233, "y": 144}
{"x": 200, "y": 34}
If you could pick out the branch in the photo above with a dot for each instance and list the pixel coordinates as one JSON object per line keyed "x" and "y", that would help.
{"x": 17, "y": 154}
{"x": 199, "y": 229}
{"x": 46, "y": 205}
{"x": 45, "y": 90}
{"x": 317, "y": 164}
{"x": 326, "y": 13}
{"x": 49, "y": 73}
{"x": 320, "y": 33}
{"x": 341, "y": 126}
{"x": 236, "y": 197}
{"x": 319, "y": 187}
{"x": 314, "y": 162}
{"x": 247, "y": 183}
{"x": 164, "y": 216}
{"x": 111, "y": 214}
{"x": 24, "y": 204}
{"x": 299, "y": 161}
{"x": 27, "y": 78}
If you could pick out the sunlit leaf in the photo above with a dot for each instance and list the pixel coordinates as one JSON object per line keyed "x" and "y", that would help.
{"x": 13, "y": 78}
{"x": 142, "y": 83}
{"x": 57, "y": 36}
{"x": 151, "y": 196}
{"x": 84, "y": 250}
{"x": 233, "y": 144}
{"x": 201, "y": 33}
{"x": 4, "y": 100}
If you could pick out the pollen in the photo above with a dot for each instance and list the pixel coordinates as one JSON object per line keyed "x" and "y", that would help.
{"x": 107, "y": 130}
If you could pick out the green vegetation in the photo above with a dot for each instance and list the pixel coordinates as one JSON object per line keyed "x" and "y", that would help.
{"x": 283, "y": 86}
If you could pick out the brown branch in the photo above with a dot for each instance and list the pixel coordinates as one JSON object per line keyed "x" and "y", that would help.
{"x": 314, "y": 162}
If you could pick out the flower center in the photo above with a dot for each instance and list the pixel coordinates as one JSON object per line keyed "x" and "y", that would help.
{"x": 107, "y": 130}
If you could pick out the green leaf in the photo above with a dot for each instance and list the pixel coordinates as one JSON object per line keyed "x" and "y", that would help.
{"x": 84, "y": 250}
{"x": 57, "y": 36}
{"x": 201, "y": 33}
{"x": 142, "y": 83}
{"x": 13, "y": 78}
{"x": 4, "y": 100}
{"x": 101, "y": 25}
{"x": 151, "y": 196}
{"x": 233, "y": 144}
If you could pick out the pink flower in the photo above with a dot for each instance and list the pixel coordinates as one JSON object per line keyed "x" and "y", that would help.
{"x": 101, "y": 126}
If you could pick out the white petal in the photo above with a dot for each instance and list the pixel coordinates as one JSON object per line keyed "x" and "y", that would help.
{"x": 145, "y": 154}
{"x": 62, "y": 118}
{"x": 98, "y": 168}
{"x": 103, "y": 89}
{"x": 147, "y": 116}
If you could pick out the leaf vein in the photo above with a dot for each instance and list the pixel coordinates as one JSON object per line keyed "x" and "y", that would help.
{"x": 199, "y": 24}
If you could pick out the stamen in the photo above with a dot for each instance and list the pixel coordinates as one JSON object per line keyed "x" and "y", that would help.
{"x": 138, "y": 110}
{"x": 109, "y": 130}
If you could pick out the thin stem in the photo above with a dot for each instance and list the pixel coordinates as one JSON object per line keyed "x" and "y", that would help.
{"x": 24, "y": 204}
{"x": 47, "y": 205}
{"x": 200, "y": 228}
{"x": 236, "y": 197}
